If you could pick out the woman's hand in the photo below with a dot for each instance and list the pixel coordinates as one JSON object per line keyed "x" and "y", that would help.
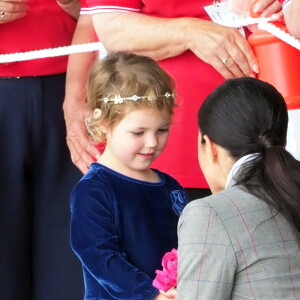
{"x": 265, "y": 8}
{"x": 12, "y": 10}
{"x": 82, "y": 150}
{"x": 291, "y": 16}
{"x": 222, "y": 47}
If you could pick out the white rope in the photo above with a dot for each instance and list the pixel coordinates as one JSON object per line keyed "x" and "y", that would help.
{"x": 52, "y": 52}
{"x": 279, "y": 33}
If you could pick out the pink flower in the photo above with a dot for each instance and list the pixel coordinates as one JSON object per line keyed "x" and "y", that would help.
{"x": 167, "y": 278}
{"x": 170, "y": 261}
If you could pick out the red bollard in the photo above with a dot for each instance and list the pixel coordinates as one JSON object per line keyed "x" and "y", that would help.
{"x": 279, "y": 64}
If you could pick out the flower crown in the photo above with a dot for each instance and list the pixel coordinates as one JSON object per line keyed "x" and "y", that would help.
{"x": 119, "y": 99}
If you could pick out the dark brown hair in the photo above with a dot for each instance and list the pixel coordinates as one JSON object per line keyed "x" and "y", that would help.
{"x": 245, "y": 116}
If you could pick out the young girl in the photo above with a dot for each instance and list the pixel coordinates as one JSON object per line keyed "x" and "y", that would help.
{"x": 242, "y": 242}
{"x": 124, "y": 214}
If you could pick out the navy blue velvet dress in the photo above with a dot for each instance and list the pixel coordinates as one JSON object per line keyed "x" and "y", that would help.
{"x": 121, "y": 228}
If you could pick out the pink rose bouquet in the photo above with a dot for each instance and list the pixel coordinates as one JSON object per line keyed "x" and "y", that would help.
{"x": 167, "y": 277}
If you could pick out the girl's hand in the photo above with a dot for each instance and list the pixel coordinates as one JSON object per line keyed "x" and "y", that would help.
{"x": 170, "y": 294}
{"x": 12, "y": 10}
{"x": 222, "y": 47}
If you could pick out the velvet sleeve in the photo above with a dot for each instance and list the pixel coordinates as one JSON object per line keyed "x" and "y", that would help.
{"x": 94, "y": 238}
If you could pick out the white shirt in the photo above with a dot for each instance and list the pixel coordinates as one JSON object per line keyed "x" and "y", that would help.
{"x": 237, "y": 165}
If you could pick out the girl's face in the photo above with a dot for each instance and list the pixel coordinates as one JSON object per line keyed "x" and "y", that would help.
{"x": 136, "y": 141}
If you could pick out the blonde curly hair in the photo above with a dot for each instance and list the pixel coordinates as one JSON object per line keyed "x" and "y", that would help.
{"x": 124, "y": 75}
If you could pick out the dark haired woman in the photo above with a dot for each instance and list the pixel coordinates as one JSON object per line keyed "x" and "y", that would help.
{"x": 242, "y": 242}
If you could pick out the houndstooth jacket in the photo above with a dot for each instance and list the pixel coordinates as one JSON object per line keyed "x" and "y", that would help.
{"x": 232, "y": 245}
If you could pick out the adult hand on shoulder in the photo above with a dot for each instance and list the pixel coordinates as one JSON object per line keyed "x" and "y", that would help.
{"x": 222, "y": 47}
{"x": 12, "y": 10}
{"x": 82, "y": 150}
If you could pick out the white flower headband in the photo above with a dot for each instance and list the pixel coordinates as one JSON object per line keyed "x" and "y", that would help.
{"x": 119, "y": 99}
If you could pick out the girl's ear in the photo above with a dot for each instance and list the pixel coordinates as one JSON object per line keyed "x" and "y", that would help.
{"x": 96, "y": 115}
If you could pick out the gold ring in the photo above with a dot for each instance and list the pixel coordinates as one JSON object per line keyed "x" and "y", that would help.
{"x": 2, "y": 15}
{"x": 224, "y": 60}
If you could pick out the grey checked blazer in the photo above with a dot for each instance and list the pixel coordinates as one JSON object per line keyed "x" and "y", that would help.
{"x": 231, "y": 246}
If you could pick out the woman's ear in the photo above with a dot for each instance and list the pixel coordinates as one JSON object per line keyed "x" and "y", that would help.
{"x": 210, "y": 148}
{"x": 215, "y": 163}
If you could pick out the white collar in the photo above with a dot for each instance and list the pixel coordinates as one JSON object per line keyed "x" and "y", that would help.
{"x": 237, "y": 165}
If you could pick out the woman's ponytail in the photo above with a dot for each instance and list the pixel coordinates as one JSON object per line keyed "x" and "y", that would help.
{"x": 249, "y": 116}
{"x": 277, "y": 181}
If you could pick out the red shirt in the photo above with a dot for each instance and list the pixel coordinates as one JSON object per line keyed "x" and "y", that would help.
{"x": 45, "y": 25}
{"x": 194, "y": 81}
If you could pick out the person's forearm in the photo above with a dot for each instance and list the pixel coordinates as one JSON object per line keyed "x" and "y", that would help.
{"x": 79, "y": 63}
{"x": 158, "y": 38}
{"x": 292, "y": 15}
{"x": 75, "y": 109}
